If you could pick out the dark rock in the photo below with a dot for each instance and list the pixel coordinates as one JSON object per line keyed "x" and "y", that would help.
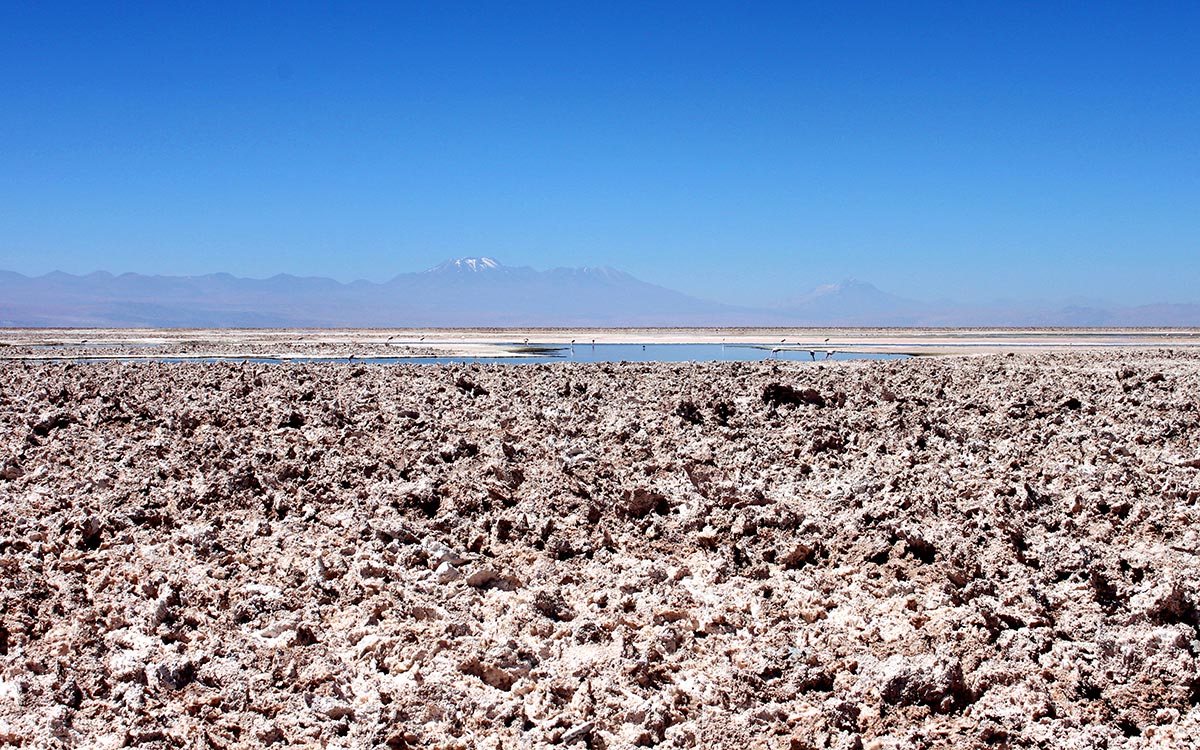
{"x": 54, "y": 422}
{"x": 640, "y": 502}
{"x": 466, "y": 386}
{"x": 552, "y": 605}
{"x": 722, "y": 411}
{"x": 689, "y": 412}
{"x": 777, "y": 394}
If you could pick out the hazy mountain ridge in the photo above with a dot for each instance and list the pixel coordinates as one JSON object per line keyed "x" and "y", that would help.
{"x": 471, "y": 292}
{"x": 466, "y": 292}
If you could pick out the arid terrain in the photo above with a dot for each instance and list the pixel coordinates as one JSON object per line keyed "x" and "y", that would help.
{"x": 972, "y": 552}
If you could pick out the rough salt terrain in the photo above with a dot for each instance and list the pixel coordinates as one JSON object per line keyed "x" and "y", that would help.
{"x": 970, "y": 552}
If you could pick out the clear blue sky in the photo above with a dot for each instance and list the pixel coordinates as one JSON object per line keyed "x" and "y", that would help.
{"x": 739, "y": 151}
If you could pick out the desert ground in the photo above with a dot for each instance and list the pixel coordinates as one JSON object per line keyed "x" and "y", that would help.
{"x": 958, "y": 552}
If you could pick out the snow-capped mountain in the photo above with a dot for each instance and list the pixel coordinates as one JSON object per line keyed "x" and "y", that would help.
{"x": 466, "y": 265}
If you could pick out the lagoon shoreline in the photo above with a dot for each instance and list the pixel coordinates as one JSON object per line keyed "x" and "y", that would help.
{"x": 137, "y": 343}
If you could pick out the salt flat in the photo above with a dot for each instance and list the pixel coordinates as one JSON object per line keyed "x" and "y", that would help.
{"x": 488, "y": 342}
{"x": 960, "y": 552}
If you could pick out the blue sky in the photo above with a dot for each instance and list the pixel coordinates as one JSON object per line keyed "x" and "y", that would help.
{"x": 738, "y": 151}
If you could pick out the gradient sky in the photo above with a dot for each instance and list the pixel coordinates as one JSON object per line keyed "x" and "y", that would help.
{"x": 738, "y": 151}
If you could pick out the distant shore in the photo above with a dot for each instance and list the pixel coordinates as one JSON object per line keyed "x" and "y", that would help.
{"x": 420, "y": 343}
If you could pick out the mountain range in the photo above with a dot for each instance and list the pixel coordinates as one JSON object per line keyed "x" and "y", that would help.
{"x": 479, "y": 292}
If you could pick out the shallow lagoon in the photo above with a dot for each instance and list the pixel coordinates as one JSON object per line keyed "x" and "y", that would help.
{"x": 591, "y": 353}
{"x": 533, "y": 353}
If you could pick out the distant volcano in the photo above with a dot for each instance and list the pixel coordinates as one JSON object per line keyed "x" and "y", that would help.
{"x": 466, "y": 265}
{"x": 853, "y": 302}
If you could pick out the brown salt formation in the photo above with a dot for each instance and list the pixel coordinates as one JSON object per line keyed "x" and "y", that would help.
{"x": 968, "y": 553}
